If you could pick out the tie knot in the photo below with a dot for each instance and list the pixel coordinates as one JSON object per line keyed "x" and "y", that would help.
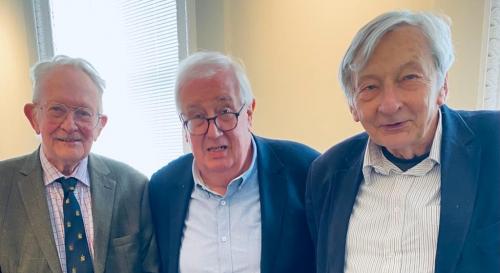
{"x": 68, "y": 184}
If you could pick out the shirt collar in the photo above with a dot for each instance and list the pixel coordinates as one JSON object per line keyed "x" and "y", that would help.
{"x": 237, "y": 182}
{"x": 51, "y": 173}
{"x": 374, "y": 159}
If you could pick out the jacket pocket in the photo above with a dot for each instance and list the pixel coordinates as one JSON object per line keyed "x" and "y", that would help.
{"x": 124, "y": 254}
{"x": 125, "y": 240}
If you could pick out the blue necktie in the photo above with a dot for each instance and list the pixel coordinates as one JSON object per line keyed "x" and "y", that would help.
{"x": 78, "y": 259}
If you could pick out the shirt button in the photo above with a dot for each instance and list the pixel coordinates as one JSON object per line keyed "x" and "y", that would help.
{"x": 223, "y": 202}
{"x": 223, "y": 238}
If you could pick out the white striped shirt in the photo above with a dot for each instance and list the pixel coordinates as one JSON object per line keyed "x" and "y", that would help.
{"x": 55, "y": 196}
{"x": 395, "y": 220}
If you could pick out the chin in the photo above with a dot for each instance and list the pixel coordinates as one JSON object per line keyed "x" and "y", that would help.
{"x": 393, "y": 144}
{"x": 71, "y": 157}
{"x": 218, "y": 166}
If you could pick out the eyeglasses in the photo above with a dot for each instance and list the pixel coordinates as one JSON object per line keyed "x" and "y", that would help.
{"x": 57, "y": 113}
{"x": 225, "y": 121}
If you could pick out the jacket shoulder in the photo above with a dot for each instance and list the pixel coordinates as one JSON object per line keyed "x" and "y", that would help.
{"x": 482, "y": 121}
{"x": 12, "y": 163}
{"x": 288, "y": 151}
{"x": 175, "y": 170}
{"x": 15, "y": 164}
{"x": 120, "y": 171}
{"x": 343, "y": 154}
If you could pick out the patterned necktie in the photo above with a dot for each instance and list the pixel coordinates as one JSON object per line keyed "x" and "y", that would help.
{"x": 78, "y": 259}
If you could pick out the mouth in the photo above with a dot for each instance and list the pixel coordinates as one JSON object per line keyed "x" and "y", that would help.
{"x": 68, "y": 139}
{"x": 217, "y": 148}
{"x": 393, "y": 126}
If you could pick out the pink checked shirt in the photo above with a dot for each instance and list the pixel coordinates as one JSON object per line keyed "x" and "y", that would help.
{"x": 55, "y": 196}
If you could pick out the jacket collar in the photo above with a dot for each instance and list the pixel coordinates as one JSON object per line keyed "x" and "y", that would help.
{"x": 32, "y": 190}
{"x": 272, "y": 189}
{"x": 103, "y": 191}
{"x": 273, "y": 186}
{"x": 459, "y": 153}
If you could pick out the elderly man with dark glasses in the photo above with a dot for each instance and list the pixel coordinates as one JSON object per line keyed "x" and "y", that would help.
{"x": 236, "y": 203}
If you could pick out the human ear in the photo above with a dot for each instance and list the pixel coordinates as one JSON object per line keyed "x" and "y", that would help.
{"x": 354, "y": 113}
{"x": 250, "y": 110}
{"x": 103, "y": 120}
{"x": 443, "y": 92}
{"x": 31, "y": 114}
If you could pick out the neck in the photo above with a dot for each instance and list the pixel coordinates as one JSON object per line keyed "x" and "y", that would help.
{"x": 64, "y": 166}
{"x": 218, "y": 182}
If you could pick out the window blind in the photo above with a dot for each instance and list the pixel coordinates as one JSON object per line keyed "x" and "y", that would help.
{"x": 135, "y": 47}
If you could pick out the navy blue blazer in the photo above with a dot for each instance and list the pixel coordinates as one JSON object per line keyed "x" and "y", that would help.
{"x": 469, "y": 224}
{"x": 282, "y": 170}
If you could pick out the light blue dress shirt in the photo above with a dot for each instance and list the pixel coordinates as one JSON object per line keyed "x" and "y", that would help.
{"x": 222, "y": 234}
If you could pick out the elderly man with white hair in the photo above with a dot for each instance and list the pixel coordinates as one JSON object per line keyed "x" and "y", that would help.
{"x": 236, "y": 203}
{"x": 419, "y": 190}
{"x": 64, "y": 209}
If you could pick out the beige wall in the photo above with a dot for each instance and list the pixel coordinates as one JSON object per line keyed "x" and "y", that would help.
{"x": 292, "y": 49}
{"x": 16, "y": 136}
{"x": 466, "y": 74}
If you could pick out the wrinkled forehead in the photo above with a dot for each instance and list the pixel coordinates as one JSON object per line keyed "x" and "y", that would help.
{"x": 371, "y": 43}
{"x": 220, "y": 86}
{"x": 403, "y": 46}
{"x": 70, "y": 85}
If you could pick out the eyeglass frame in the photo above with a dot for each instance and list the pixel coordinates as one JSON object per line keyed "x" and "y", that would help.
{"x": 214, "y": 118}
{"x": 72, "y": 110}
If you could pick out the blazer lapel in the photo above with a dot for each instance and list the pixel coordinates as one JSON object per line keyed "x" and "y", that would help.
{"x": 179, "y": 202}
{"x": 342, "y": 201}
{"x": 32, "y": 191}
{"x": 460, "y": 156}
{"x": 102, "y": 188}
{"x": 273, "y": 198}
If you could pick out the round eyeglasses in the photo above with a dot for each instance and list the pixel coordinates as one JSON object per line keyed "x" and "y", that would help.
{"x": 82, "y": 116}
{"x": 225, "y": 121}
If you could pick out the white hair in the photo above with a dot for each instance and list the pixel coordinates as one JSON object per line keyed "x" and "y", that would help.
{"x": 436, "y": 29}
{"x": 40, "y": 69}
{"x": 205, "y": 64}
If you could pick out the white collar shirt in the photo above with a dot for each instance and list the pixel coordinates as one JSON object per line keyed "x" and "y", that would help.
{"x": 222, "y": 233}
{"x": 395, "y": 219}
{"x": 55, "y": 195}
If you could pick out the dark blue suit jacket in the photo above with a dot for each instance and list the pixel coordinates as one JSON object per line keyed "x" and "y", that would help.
{"x": 469, "y": 227}
{"x": 282, "y": 170}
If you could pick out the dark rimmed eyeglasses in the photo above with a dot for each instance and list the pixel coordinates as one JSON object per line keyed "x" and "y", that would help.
{"x": 225, "y": 121}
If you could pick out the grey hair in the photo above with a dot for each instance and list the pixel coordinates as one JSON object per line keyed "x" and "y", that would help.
{"x": 40, "y": 69}
{"x": 204, "y": 65}
{"x": 436, "y": 29}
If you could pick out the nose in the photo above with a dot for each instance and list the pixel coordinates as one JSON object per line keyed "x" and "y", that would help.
{"x": 69, "y": 124}
{"x": 212, "y": 130}
{"x": 390, "y": 101}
